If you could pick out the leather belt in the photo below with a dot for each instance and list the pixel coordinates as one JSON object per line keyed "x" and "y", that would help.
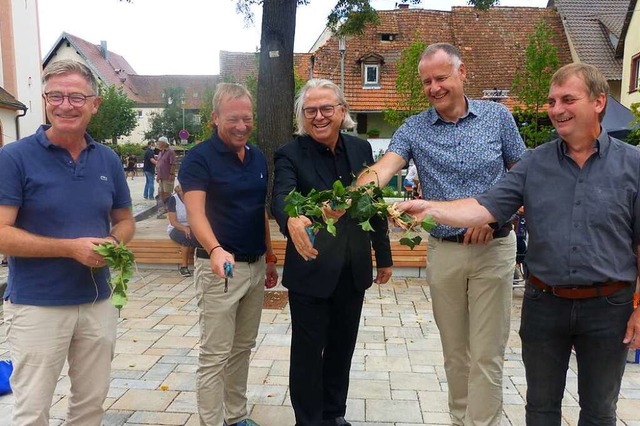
{"x": 248, "y": 258}
{"x": 579, "y": 292}
{"x": 498, "y": 233}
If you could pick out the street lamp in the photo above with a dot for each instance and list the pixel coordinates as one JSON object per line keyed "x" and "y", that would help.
{"x": 342, "y": 47}
{"x": 182, "y": 104}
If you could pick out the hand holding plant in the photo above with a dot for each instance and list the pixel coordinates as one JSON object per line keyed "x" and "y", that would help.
{"x": 120, "y": 260}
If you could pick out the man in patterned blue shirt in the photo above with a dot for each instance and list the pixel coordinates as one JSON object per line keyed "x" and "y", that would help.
{"x": 461, "y": 148}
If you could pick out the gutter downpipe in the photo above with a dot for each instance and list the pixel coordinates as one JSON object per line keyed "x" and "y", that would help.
{"x": 24, "y": 112}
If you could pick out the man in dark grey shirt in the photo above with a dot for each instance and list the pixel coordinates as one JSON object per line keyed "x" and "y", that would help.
{"x": 582, "y": 205}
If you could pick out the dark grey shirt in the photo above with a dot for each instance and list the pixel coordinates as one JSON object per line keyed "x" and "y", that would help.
{"x": 583, "y": 223}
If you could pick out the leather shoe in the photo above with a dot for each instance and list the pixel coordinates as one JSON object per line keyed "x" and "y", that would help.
{"x": 340, "y": 421}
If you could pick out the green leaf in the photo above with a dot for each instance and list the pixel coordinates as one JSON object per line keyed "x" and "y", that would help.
{"x": 366, "y": 226}
{"x": 408, "y": 242}
{"x": 428, "y": 223}
{"x": 331, "y": 227}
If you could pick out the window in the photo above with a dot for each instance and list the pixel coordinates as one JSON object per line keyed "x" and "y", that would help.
{"x": 371, "y": 77}
{"x": 634, "y": 83}
{"x": 139, "y": 113}
{"x": 387, "y": 37}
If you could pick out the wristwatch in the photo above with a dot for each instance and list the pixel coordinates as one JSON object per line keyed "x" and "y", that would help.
{"x": 271, "y": 258}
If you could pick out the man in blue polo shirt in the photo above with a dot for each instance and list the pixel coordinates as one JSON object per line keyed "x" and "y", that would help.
{"x": 461, "y": 148}
{"x": 225, "y": 184}
{"x": 61, "y": 195}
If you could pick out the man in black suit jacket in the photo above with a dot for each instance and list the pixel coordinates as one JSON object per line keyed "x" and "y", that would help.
{"x": 327, "y": 282}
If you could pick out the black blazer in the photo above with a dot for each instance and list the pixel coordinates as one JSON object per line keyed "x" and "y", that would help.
{"x": 298, "y": 165}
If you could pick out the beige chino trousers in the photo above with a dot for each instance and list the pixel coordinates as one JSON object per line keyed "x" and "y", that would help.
{"x": 40, "y": 339}
{"x": 228, "y": 328}
{"x": 471, "y": 288}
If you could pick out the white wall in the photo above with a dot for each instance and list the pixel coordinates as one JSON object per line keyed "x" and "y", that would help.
{"x": 28, "y": 64}
{"x": 631, "y": 48}
{"x": 7, "y": 118}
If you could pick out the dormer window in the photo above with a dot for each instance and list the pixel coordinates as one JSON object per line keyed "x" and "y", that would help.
{"x": 371, "y": 66}
{"x": 387, "y": 37}
{"x": 371, "y": 74}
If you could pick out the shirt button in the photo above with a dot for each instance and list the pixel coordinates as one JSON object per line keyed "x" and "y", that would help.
{"x": 575, "y": 225}
{"x": 580, "y": 180}
{"x": 578, "y": 202}
{"x": 573, "y": 271}
{"x": 574, "y": 248}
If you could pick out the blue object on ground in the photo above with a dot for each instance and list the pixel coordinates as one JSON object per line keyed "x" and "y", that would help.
{"x": 6, "y": 368}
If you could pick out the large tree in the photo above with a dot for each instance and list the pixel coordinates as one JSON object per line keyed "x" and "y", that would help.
{"x": 116, "y": 116}
{"x": 531, "y": 85}
{"x": 411, "y": 96}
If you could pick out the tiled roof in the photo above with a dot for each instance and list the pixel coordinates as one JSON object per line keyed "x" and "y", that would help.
{"x": 8, "y": 101}
{"x": 491, "y": 43}
{"x": 151, "y": 87}
{"x": 113, "y": 69}
{"x": 625, "y": 28}
{"x": 588, "y": 23}
{"x": 237, "y": 66}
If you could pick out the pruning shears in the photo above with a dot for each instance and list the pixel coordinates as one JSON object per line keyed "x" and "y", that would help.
{"x": 228, "y": 273}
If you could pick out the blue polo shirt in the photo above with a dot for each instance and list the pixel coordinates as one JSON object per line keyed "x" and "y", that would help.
{"x": 462, "y": 159}
{"x": 59, "y": 198}
{"x": 236, "y": 192}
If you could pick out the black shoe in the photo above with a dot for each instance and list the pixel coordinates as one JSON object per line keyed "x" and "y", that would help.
{"x": 184, "y": 271}
{"x": 340, "y": 421}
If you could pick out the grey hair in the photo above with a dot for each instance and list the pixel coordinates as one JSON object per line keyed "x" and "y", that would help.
{"x": 229, "y": 90}
{"x": 320, "y": 83}
{"x": 447, "y": 48}
{"x": 68, "y": 66}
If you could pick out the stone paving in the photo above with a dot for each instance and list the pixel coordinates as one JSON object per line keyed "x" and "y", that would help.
{"x": 397, "y": 376}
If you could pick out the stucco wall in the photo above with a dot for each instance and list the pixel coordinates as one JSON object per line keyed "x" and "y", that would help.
{"x": 631, "y": 48}
{"x": 7, "y": 124}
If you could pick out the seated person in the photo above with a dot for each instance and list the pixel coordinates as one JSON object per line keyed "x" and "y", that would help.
{"x": 179, "y": 230}
{"x": 412, "y": 176}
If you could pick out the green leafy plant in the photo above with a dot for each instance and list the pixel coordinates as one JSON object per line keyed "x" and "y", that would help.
{"x": 360, "y": 203}
{"x": 120, "y": 260}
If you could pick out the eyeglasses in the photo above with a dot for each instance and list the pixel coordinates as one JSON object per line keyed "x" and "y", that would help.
{"x": 75, "y": 99}
{"x": 326, "y": 111}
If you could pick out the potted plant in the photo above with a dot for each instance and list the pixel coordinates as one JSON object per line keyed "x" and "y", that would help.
{"x": 373, "y": 133}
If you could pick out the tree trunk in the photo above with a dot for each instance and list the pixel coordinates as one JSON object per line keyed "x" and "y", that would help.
{"x": 275, "y": 78}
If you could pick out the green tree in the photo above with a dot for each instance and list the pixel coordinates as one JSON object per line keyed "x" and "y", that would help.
{"x": 116, "y": 116}
{"x": 206, "y": 121}
{"x": 409, "y": 89}
{"x": 170, "y": 121}
{"x": 531, "y": 85}
{"x": 634, "y": 135}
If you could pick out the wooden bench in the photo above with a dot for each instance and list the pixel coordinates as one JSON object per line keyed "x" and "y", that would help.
{"x": 158, "y": 251}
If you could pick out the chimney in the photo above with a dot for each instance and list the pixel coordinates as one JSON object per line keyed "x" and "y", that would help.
{"x": 403, "y": 5}
{"x": 103, "y": 49}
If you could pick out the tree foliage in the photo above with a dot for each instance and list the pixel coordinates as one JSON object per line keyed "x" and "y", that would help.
{"x": 634, "y": 135}
{"x": 169, "y": 122}
{"x": 206, "y": 120}
{"x": 116, "y": 116}
{"x": 409, "y": 89}
{"x": 531, "y": 85}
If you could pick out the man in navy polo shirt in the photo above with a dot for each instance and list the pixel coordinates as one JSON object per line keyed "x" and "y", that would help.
{"x": 225, "y": 184}
{"x": 61, "y": 195}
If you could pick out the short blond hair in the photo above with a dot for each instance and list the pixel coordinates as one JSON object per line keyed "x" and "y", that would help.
{"x": 229, "y": 90}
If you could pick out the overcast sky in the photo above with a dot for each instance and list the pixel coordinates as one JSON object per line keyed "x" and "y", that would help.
{"x": 185, "y": 36}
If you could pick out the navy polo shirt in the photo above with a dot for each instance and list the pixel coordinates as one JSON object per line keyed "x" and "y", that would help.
{"x": 59, "y": 198}
{"x": 236, "y": 192}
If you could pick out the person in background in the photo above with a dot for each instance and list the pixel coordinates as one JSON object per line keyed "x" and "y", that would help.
{"x": 56, "y": 305}
{"x": 179, "y": 229}
{"x": 131, "y": 166}
{"x": 581, "y": 198}
{"x": 326, "y": 282}
{"x": 461, "y": 148}
{"x": 224, "y": 180}
{"x": 166, "y": 174}
{"x": 149, "y": 170}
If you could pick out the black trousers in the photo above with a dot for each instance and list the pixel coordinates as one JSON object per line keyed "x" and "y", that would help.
{"x": 324, "y": 333}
